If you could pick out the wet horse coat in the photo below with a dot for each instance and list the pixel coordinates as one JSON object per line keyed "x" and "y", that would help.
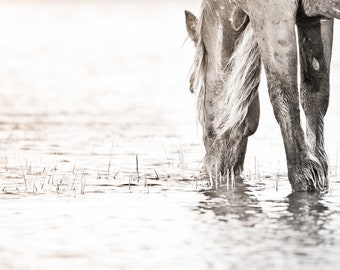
{"x": 232, "y": 39}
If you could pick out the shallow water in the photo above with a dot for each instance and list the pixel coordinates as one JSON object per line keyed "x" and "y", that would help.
{"x": 91, "y": 89}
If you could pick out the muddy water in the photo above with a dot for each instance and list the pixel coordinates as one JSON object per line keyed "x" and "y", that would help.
{"x": 100, "y": 152}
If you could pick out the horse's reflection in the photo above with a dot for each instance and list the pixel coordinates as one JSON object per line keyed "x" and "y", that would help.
{"x": 307, "y": 213}
{"x": 306, "y": 203}
{"x": 236, "y": 202}
{"x": 301, "y": 211}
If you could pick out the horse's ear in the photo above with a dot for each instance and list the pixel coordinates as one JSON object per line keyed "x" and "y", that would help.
{"x": 191, "y": 23}
{"x": 238, "y": 18}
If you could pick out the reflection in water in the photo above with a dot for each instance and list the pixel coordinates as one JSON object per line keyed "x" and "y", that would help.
{"x": 295, "y": 230}
{"x": 310, "y": 218}
{"x": 237, "y": 203}
{"x": 303, "y": 205}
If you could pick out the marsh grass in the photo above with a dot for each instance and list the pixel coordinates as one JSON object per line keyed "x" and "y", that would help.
{"x": 110, "y": 159}
{"x": 78, "y": 179}
{"x": 82, "y": 183}
{"x": 137, "y": 167}
{"x": 157, "y": 176}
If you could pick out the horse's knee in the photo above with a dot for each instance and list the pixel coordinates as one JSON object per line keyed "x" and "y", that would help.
{"x": 284, "y": 98}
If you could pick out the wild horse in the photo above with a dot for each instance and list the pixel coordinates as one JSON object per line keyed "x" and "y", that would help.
{"x": 232, "y": 38}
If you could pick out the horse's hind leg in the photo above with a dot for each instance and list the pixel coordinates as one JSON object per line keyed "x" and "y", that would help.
{"x": 315, "y": 43}
{"x": 275, "y": 31}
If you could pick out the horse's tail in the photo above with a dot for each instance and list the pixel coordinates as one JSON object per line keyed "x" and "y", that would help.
{"x": 242, "y": 79}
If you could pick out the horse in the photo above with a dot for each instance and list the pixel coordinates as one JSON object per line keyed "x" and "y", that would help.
{"x": 233, "y": 38}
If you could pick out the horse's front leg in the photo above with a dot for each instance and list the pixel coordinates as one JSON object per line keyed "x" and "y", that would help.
{"x": 315, "y": 43}
{"x": 275, "y": 31}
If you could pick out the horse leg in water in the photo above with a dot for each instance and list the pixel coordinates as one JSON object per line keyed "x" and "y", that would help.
{"x": 315, "y": 43}
{"x": 274, "y": 26}
{"x": 215, "y": 36}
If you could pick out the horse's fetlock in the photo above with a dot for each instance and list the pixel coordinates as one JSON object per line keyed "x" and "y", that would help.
{"x": 309, "y": 175}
